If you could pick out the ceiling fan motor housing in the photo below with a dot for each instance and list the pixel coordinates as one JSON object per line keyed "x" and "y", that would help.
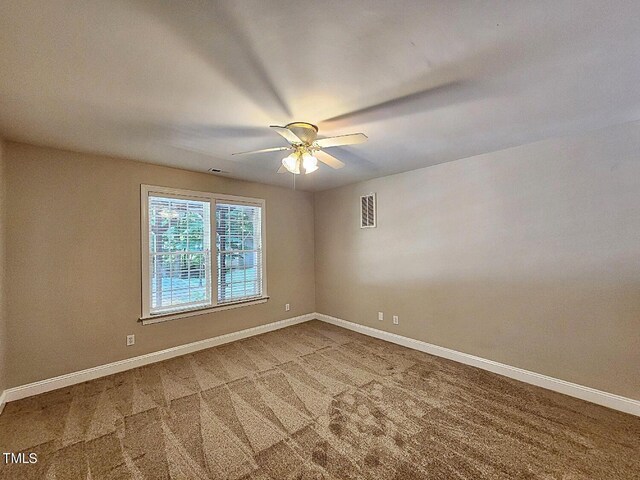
{"x": 306, "y": 132}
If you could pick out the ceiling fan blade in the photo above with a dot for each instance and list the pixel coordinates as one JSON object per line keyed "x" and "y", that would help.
{"x": 216, "y": 33}
{"x": 264, "y": 150}
{"x": 350, "y": 139}
{"x": 204, "y": 131}
{"x": 282, "y": 169}
{"x": 288, "y": 135}
{"x": 399, "y": 106}
{"x": 327, "y": 159}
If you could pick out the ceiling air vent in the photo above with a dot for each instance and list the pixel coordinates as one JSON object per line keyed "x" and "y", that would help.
{"x": 368, "y": 211}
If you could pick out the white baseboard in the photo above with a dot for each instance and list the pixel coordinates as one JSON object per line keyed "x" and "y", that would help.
{"x": 54, "y": 383}
{"x": 589, "y": 394}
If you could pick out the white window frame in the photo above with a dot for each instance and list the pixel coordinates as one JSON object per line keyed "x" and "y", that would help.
{"x": 213, "y": 198}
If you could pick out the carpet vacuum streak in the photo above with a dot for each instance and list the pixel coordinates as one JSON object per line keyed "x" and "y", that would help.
{"x": 315, "y": 401}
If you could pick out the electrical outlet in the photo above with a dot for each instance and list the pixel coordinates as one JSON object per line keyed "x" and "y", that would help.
{"x": 287, "y": 307}
{"x": 131, "y": 339}
{"x": 380, "y": 316}
{"x": 395, "y": 319}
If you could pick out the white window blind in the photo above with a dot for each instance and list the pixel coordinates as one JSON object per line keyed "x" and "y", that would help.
{"x": 180, "y": 254}
{"x": 200, "y": 250}
{"x": 239, "y": 247}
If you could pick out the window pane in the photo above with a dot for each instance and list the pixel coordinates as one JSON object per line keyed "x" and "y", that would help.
{"x": 238, "y": 238}
{"x": 180, "y": 256}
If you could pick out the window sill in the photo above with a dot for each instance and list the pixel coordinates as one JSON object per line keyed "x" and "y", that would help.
{"x": 165, "y": 317}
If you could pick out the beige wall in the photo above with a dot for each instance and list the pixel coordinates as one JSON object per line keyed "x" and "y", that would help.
{"x": 73, "y": 257}
{"x": 528, "y": 256}
{"x": 3, "y": 318}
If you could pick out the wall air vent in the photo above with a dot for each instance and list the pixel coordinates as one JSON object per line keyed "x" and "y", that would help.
{"x": 368, "y": 211}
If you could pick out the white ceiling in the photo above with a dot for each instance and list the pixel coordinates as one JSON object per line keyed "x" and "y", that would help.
{"x": 187, "y": 83}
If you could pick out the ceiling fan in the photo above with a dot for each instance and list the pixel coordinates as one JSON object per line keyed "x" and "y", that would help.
{"x": 307, "y": 150}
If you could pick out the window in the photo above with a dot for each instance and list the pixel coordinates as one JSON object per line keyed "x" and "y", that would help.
{"x": 179, "y": 253}
{"x": 183, "y": 270}
{"x": 239, "y": 250}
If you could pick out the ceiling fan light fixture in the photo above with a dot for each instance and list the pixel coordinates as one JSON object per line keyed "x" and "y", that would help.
{"x": 292, "y": 163}
{"x": 309, "y": 163}
{"x": 302, "y": 138}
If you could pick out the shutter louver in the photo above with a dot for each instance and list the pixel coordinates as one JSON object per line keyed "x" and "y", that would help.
{"x": 368, "y": 211}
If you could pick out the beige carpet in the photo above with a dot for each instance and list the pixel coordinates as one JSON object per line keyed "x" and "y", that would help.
{"x": 315, "y": 401}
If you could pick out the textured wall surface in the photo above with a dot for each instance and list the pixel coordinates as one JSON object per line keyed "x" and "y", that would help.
{"x": 73, "y": 256}
{"x": 3, "y": 317}
{"x": 529, "y": 256}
